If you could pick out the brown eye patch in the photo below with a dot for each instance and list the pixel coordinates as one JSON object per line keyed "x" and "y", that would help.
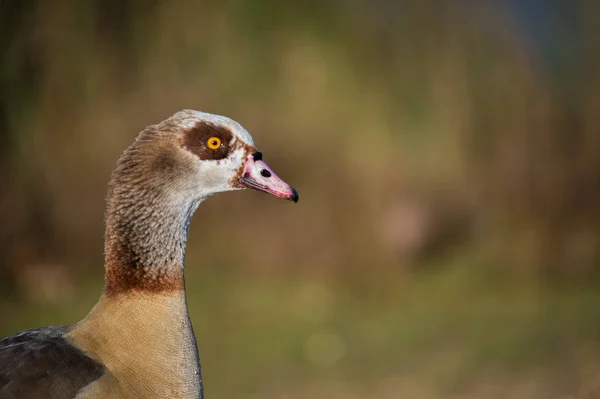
{"x": 196, "y": 140}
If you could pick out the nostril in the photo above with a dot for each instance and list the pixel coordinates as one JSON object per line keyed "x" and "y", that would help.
{"x": 265, "y": 173}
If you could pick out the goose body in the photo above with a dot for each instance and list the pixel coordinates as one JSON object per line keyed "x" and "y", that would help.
{"x": 138, "y": 341}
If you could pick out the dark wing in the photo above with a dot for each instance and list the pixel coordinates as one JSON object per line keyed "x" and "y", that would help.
{"x": 40, "y": 363}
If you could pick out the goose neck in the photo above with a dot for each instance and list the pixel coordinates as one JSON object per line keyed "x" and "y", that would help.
{"x": 145, "y": 239}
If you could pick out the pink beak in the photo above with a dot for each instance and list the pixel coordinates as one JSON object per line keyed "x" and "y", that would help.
{"x": 258, "y": 176}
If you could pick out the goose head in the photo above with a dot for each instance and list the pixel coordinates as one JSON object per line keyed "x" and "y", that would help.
{"x": 202, "y": 154}
{"x": 159, "y": 182}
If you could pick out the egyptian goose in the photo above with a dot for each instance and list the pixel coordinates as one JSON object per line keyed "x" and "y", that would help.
{"x": 138, "y": 341}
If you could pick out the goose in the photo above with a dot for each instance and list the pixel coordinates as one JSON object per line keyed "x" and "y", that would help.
{"x": 138, "y": 341}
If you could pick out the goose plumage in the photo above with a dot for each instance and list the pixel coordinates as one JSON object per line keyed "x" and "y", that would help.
{"x": 138, "y": 341}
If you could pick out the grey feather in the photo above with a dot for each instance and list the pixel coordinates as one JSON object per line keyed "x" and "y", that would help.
{"x": 41, "y": 363}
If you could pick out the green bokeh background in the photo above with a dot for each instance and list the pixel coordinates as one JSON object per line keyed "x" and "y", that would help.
{"x": 447, "y": 239}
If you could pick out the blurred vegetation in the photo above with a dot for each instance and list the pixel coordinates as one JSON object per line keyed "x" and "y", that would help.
{"x": 447, "y": 241}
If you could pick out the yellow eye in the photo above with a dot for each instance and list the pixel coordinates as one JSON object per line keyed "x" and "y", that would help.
{"x": 214, "y": 143}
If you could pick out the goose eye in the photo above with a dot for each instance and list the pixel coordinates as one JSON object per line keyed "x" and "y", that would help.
{"x": 214, "y": 143}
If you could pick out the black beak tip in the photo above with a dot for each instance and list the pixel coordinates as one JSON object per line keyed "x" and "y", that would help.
{"x": 294, "y": 196}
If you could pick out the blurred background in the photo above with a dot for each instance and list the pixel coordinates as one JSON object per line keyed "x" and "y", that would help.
{"x": 447, "y": 156}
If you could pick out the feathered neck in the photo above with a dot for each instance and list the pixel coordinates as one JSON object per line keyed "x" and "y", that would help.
{"x": 147, "y": 220}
